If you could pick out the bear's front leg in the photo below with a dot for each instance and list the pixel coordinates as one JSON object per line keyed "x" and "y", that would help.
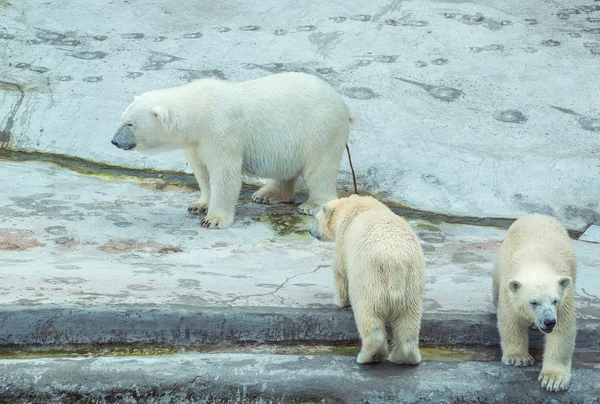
{"x": 513, "y": 337}
{"x": 340, "y": 277}
{"x": 201, "y": 174}
{"x": 558, "y": 351}
{"x": 225, "y": 175}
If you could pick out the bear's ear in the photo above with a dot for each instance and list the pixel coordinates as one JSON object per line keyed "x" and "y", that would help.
{"x": 327, "y": 211}
{"x": 513, "y": 285}
{"x": 136, "y": 97}
{"x": 163, "y": 116}
{"x": 564, "y": 282}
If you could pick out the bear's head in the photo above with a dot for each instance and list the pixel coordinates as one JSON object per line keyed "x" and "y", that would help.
{"x": 538, "y": 295}
{"x": 151, "y": 121}
{"x": 325, "y": 223}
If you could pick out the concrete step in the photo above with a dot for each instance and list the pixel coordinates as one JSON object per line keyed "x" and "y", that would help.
{"x": 178, "y": 327}
{"x": 263, "y": 378}
{"x": 124, "y": 262}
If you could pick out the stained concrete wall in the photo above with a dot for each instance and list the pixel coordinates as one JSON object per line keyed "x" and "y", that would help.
{"x": 485, "y": 108}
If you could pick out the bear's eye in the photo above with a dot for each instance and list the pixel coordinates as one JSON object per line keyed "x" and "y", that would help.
{"x": 129, "y": 124}
{"x": 555, "y": 302}
{"x": 534, "y": 304}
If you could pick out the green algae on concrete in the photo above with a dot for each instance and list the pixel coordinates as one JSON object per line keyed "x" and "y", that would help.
{"x": 429, "y": 352}
{"x": 88, "y": 167}
{"x": 285, "y": 224}
{"x": 84, "y": 351}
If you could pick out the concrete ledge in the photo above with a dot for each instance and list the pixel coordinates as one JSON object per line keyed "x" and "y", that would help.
{"x": 186, "y": 327}
{"x": 275, "y": 378}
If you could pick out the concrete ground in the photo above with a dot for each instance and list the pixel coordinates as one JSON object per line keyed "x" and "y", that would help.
{"x": 124, "y": 253}
{"x": 482, "y": 108}
{"x": 277, "y": 378}
{"x": 81, "y": 240}
{"x": 469, "y": 114}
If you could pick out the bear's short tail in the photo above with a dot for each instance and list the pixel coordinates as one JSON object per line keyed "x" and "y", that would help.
{"x": 351, "y": 119}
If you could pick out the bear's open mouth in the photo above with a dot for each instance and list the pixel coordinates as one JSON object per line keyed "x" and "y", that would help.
{"x": 545, "y": 330}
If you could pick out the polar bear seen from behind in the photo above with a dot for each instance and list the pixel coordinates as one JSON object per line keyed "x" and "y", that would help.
{"x": 278, "y": 127}
{"x": 379, "y": 269}
{"x": 533, "y": 283}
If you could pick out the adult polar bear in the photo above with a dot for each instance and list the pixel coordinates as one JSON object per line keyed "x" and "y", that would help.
{"x": 278, "y": 127}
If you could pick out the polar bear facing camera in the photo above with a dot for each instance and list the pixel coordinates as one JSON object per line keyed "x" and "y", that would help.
{"x": 278, "y": 127}
{"x": 379, "y": 269}
{"x": 533, "y": 283}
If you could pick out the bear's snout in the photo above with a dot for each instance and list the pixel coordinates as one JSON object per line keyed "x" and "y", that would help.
{"x": 124, "y": 139}
{"x": 549, "y": 325}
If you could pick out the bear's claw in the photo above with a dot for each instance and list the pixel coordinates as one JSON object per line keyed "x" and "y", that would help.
{"x": 209, "y": 224}
{"x": 216, "y": 221}
{"x": 518, "y": 360}
{"x": 197, "y": 207}
{"x": 269, "y": 198}
{"x": 309, "y": 208}
{"x": 195, "y": 210}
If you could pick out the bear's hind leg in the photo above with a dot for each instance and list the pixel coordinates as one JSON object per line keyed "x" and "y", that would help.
{"x": 371, "y": 328}
{"x": 405, "y": 340}
{"x": 321, "y": 181}
{"x": 276, "y": 191}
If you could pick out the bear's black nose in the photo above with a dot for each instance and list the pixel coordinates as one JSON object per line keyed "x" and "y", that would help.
{"x": 113, "y": 141}
{"x": 549, "y": 323}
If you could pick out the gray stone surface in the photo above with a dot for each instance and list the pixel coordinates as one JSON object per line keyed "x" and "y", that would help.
{"x": 113, "y": 259}
{"x": 273, "y": 378}
{"x": 76, "y": 240}
{"x": 483, "y": 108}
{"x": 180, "y": 327}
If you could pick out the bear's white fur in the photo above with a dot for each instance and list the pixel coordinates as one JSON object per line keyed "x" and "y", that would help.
{"x": 379, "y": 269}
{"x": 278, "y": 127}
{"x": 533, "y": 283}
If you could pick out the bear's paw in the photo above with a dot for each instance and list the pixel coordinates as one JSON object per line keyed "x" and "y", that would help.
{"x": 523, "y": 359}
{"x": 309, "y": 208}
{"x": 216, "y": 222}
{"x": 339, "y": 302}
{"x": 198, "y": 207}
{"x": 555, "y": 380}
{"x": 268, "y": 197}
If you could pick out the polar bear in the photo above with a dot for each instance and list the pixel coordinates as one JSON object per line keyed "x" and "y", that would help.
{"x": 379, "y": 268}
{"x": 279, "y": 127}
{"x": 533, "y": 283}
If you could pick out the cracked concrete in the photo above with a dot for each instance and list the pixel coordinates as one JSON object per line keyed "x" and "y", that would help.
{"x": 460, "y": 105}
{"x": 130, "y": 241}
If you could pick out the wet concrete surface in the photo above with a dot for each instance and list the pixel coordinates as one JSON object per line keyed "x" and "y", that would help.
{"x": 276, "y": 378}
{"x": 460, "y": 105}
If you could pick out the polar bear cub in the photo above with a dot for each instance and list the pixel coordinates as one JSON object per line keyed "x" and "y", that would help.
{"x": 278, "y": 127}
{"x": 379, "y": 268}
{"x": 533, "y": 283}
